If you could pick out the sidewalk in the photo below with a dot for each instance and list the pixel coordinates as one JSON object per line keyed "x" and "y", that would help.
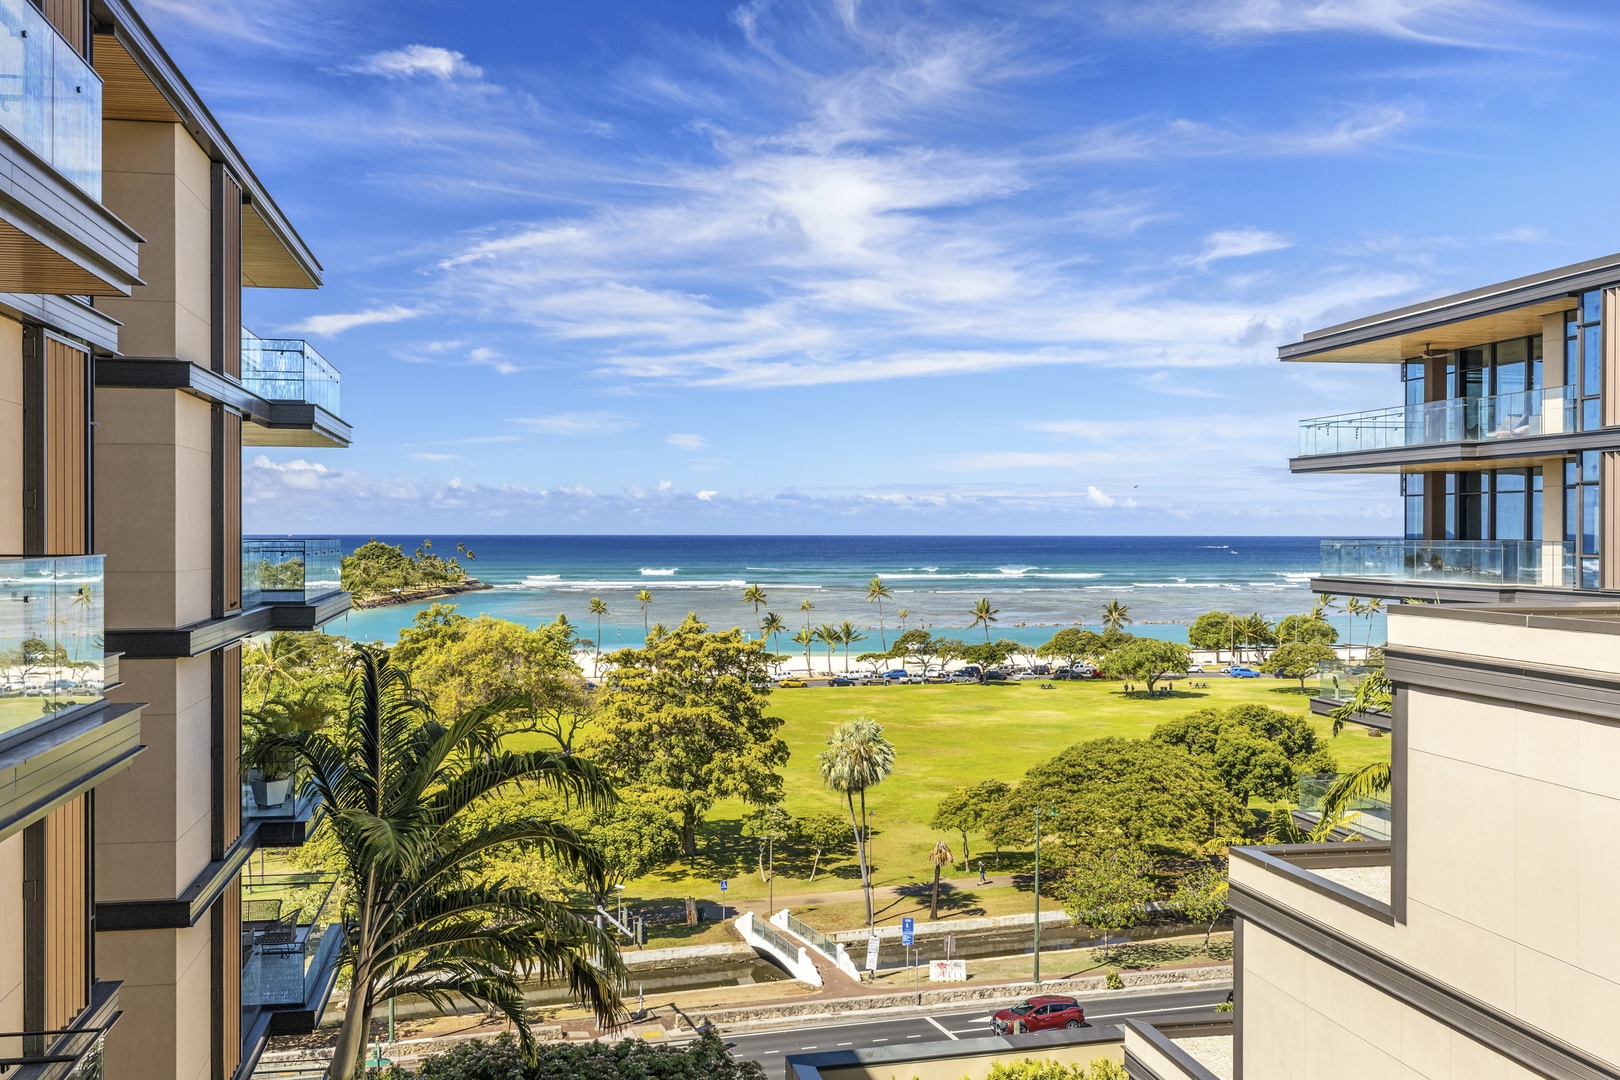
{"x": 761, "y": 906}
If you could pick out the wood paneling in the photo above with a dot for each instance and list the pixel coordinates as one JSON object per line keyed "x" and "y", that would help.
{"x": 266, "y": 262}
{"x": 71, "y": 18}
{"x": 126, "y": 92}
{"x": 30, "y": 265}
{"x": 229, "y": 951}
{"x": 56, "y": 917}
{"x": 67, "y": 467}
{"x": 227, "y": 273}
{"x": 1463, "y": 334}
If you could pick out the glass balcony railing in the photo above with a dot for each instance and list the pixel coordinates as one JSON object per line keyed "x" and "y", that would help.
{"x": 286, "y": 919}
{"x": 1369, "y": 815}
{"x": 50, "y": 99}
{"x": 1458, "y": 562}
{"x": 1337, "y": 680}
{"x": 52, "y": 651}
{"x": 287, "y": 369}
{"x": 1506, "y": 416}
{"x": 289, "y": 569}
{"x": 68, "y": 1053}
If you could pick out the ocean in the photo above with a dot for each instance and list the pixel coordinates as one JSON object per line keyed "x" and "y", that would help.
{"x": 1037, "y": 583}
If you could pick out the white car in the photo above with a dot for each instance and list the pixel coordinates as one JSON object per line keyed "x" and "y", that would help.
{"x": 1025, "y": 676}
{"x": 1195, "y": 669}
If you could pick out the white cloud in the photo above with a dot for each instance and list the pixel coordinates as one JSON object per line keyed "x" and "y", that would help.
{"x": 1097, "y": 497}
{"x": 1456, "y": 22}
{"x": 686, "y": 442}
{"x": 1235, "y": 243}
{"x": 414, "y": 60}
{"x": 332, "y": 325}
{"x": 707, "y": 495}
{"x": 1183, "y": 138}
{"x": 578, "y": 423}
{"x": 426, "y": 456}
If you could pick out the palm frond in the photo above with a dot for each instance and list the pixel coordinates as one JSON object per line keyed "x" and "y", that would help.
{"x": 1366, "y": 782}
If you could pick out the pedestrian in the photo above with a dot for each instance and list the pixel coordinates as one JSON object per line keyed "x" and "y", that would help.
{"x": 982, "y": 880}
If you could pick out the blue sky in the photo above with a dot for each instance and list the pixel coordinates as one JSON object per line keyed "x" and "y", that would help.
{"x": 879, "y": 267}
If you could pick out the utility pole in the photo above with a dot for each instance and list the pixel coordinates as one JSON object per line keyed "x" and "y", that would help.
{"x": 1049, "y": 811}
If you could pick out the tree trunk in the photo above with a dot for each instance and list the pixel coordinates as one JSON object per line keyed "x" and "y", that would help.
{"x": 689, "y": 832}
{"x": 965, "y": 856}
{"x": 933, "y": 906}
{"x": 815, "y": 859}
{"x": 860, "y": 849}
{"x": 351, "y": 1040}
{"x": 866, "y": 872}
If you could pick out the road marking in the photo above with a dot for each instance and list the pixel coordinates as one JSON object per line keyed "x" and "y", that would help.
{"x": 770, "y": 1051}
{"x": 913, "y": 1036}
{"x": 880, "y": 1040}
{"x": 806, "y": 1048}
{"x": 846, "y": 1044}
{"x": 949, "y": 1034}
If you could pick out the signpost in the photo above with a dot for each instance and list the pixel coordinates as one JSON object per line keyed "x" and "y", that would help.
{"x": 723, "y": 884}
{"x": 907, "y": 927}
{"x": 872, "y": 953}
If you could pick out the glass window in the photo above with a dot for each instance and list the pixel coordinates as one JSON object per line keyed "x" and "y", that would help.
{"x": 1592, "y": 360}
{"x": 1473, "y": 489}
{"x": 1571, "y": 511}
{"x": 1412, "y": 499}
{"x": 1509, "y": 508}
{"x": 1535, "y": 504}
{"x": 1592, "y": 306}
{"x": 1591, "y": 464}
{"x": 1572, "y": 358}
{"x": 1589, "y": 573}
{"x": 1591, "y": 420}
{"x": 1510, "y": 378}
{"x": 1412, "y": 375}
{"x": 1589, "y": 519}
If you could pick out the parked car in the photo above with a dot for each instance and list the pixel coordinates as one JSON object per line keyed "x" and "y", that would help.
{"x": 1042, "y": 1013}
{"x": 961, "y": 678}
{"x": 896, "y": 673}
{"x": 870, "y": 680}
{"x": 970, "y": 669}
{"x": 1041, "y": 669}
{"x": 1195, "y": 669}
{"x": 841, "y": 680}
{"x": 994, "y": 676}
{"x": 793, "y": 682}
{"x": 1237, "y": 671}
{"x": 1025, "y": 676}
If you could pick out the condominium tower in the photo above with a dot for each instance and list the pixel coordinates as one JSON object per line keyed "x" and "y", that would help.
{"x": 129, "y": 226}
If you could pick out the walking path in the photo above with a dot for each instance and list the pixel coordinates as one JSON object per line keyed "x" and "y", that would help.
{"x": 762, "y": 905}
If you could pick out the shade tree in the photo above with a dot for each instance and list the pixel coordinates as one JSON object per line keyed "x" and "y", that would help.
{"x": 1147, "y": 660}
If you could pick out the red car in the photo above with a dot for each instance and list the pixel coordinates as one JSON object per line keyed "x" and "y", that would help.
{"x": 1041, "y": 1013}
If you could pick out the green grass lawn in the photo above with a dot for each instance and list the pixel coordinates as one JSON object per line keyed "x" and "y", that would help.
{"x": 944, "y": 736}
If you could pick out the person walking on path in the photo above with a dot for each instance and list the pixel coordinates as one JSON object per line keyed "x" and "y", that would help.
{"x": 982, "y": 880}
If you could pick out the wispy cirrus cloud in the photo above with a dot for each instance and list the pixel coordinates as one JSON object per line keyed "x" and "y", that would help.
{"x": 686, "y": 442}
{"x": 334, "y": 324}
{"x": 1452, "y": 22}
{"x": 414, "y": 60}
{"x": 578, "y": 423}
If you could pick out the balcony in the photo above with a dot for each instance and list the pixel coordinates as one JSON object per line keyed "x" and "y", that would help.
{"x": 1505, "y": 417}
{"x": 288, "y": 823}
{"x": 290, "y": 569}
{"x": 51, "y": 651}
{"x": 73, "y": 1053}
{"x": 290, "y": 943}
{"x": 1367, "y": 818}
{"x": 50, "y": 99}
{"x": 1416, "y": 566}
{"x": 287, "y": 369}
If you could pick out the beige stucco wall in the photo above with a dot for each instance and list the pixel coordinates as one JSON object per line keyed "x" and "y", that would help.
{"x": 153, "y": 499}
{"x": 974, "y": 1066}
{"x": 158, "y": 180}
{"x": 165, "y": 1029}
{"x": 153, "y": 820}
{"x": 11, "y": 933}
{"x": 1302, "y": 1019}
{"x": 11, "y": 447}
{"x": 1521, "y": 644}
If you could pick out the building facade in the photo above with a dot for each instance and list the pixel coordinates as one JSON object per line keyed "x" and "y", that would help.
{"x": 128, "y": 391}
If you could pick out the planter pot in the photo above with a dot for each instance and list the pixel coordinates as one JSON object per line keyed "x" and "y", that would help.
{"x": 269, "y": 794}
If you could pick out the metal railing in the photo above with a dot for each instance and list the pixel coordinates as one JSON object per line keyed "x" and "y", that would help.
{"x": 290, "y": 569}
{"x": 76, "y": 1053}
{"x": 50, "y": 98}
{"x": 286, "y": 918}
{"x": 52, "y": 652}
{"x": 1505, "y": 416}
{"x": 823, "y": 944}
{"x": 1483, "y": 562}
{"x": 289, "y": 369}
{"x": 776, "y": 938}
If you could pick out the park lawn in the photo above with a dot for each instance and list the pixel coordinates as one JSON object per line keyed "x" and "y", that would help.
{"x": 1186, "y": 951}
{"x": 889, "y": 910}
{"x": 944, "y": 736}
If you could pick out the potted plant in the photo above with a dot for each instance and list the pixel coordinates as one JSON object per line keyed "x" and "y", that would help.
{"x": 266, "y": 757}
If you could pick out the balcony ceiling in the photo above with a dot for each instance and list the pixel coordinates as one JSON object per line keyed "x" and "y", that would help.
{"x": 1463, "y": 334}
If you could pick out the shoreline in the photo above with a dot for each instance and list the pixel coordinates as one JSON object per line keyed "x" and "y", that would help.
{"x": 416, "y": 596}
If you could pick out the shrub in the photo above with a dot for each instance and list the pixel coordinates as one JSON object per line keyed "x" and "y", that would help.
{"x": 1113, "y": 981}
{"x": 632, "y": 1059}
{"x": 1044, "y": 1069}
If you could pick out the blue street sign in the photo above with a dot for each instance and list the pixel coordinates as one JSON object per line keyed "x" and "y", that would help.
{"x": 907, "y": 925}
{"x": 722, "y": 884}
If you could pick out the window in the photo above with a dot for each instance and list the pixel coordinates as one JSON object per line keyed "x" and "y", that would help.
{"x": 1583, "y": 358}
{"x": 1412, "y": 499}
{"x": 1511, "y": 520}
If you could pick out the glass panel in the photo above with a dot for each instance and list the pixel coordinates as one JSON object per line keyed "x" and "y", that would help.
{"x": 50, "y": 99}
{"x": 1412, "y": 374}
{"x": 1510, "y": 378}
{"x": 285, "y": 918}
{"x": 1589, "y": 519}
{"x": 51, "y": 645}
{"x": 1592, "y": 361}
{"x": 1589, "y": 573}
{"x": 289, "y": 570}
{"x": 1592, "y": 307}
{"x": 1510, "y": 515}
{"x": 1591, "y": 466}
{"x": 1494, "y": 562}
{"x": 287, "y": 369}
{"x": 1504, "y": 416}
{"x": 1572, "y": 358}
{"x": 1591, "y": 418}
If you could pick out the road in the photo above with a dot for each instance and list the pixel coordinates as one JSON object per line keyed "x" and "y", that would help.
{"x": 770, "y": 1048}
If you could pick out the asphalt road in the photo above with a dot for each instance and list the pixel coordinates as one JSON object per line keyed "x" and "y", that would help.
{"x": 770, "y": 1048}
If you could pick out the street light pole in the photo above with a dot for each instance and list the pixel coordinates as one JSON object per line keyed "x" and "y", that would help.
{"x": 1037, "y": 900}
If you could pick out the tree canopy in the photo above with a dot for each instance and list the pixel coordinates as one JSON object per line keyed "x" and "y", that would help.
{"x": 1298, "y": 660}
{"x": 376, "y": 569}
{"x": 1307, "y": 629}
{"x": 1148, "y": 660}
{"x": 683, "y": 720}
{"x": 1254, "y": 750}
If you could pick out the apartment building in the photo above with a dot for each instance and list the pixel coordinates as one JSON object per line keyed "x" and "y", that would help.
{"x": 129, "y": 226}
{"x": 1477, "y": 940}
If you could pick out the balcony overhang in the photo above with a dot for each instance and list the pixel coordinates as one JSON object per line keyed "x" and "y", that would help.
{"x": 51, "y": 763}
{"x": 266, "y": 423}
{"x": 55, "y": 238}
{"x": 1508, "y": 309}
{"x": 141, "y": 82}
{"x": 211, "y": 634}
{"x": 1431, "y": 592}
{"x": 1518, "y": 453}
{"x": 296, "y": 423}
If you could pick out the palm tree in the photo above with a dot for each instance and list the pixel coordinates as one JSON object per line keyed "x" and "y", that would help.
{"x": 1352, "y": 608}
{"x": 644, "y": 598}
{"x": 1115, "y": 615}
{"x": 773, "y": 625}
{"x": 903, "y": 614}
{"x": 599, "y": 609}
{"x": 984, "y": 615}
{"x": 275, "y": 658}
{"x": 1256, "y": 631}
{"x": 828, "y": 635}
{"x": 1372, "y": 607}
{"x": 756, "y": 596}
{"x": 940, "y": 856}
{"x": 857, "y": 757}
{"x": 408, "y": 804}
{"x": 805, "y": 637}
{"x": 807, "y": 607}
{"x": 848, "y": 635}
{"x": 877, "y": 592}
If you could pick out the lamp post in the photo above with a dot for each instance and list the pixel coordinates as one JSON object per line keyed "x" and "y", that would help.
{"x": 1048, "y": 811}
{"x": 620, "y": 890}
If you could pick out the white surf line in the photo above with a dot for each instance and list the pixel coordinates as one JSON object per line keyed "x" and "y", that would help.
{"x": 949, "y": 1034}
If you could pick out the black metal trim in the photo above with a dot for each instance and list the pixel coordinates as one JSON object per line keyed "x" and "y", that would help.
{"x": 273, "y": 417}
{"x": 1321, "y": 706}
{"x": 211, "y": 634}
{"x": 1579, "y": 692}
{"x": 33, "y": 441}
{"x": 1493, "y": 1029}
{"x": 1455, "y": 592}
{"x": 191, "y": 905}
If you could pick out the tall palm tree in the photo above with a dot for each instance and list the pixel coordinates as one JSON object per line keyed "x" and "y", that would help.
{"x": 599, "y": 609}
{"x": 903, "y": 614}
{"x": 847, "y": 636}
{"x": 877, "y": 592}
{"x": 805, "y": 637}
{"x": 984, "y": 615}
{"x": 940, "y": 857}
{"x": 1115, "y": 615}
{"x": 773, "y": 625}
{"x": 756, "y": 596}
{"x": 1373, "y": 606}
{"x": 828, "y": 635}
{"x": 857, "y": 757}
{"x": 807, "y": 607}
{"x": 1257, "y": 631}
{"x": 1352, "y": 608}
{"x": 275, "y": 658}
{"x": 644, "y": 598}
{"x": 408, "y": 802}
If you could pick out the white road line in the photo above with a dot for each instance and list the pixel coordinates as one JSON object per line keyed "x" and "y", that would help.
{"x": 913, "y": 1036}
{"x": 880, "y": 1040}
{"x": 846, "y": 1044}
{"x": 770, "y": 1051}
{"x": 949, "y": 1034}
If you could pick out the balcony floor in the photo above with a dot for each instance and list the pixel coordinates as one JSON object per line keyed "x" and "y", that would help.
{"x": 1370, "y": 881}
